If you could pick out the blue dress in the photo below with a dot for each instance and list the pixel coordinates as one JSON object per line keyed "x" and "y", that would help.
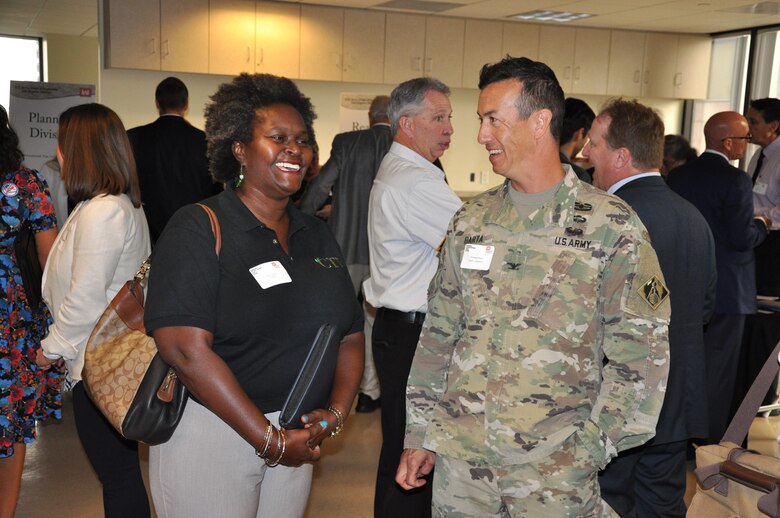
{"x": 27, "y": 393}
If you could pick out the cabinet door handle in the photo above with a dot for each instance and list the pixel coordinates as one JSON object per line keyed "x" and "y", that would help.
{"x": 567, "y": 72}
{"x": 152, "y": 46}
{"x": 428, "y": 65}
{"x": 248, "y": 54}
{"x": 260, "y": 56}
{"x": 164, "y": 49}
{"x": 347, "y": 61}
{"x": 678, "y": 79}
{"x": 637, "y": 75}
{"x": 576, "y": 73}
{"x": 647, "y": 77}
{"x": 416, "y": 63}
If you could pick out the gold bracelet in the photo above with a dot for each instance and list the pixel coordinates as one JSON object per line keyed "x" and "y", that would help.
{"x": 282, "y": 442}
{"x": 339, "y": 420}
{"x": 267, "y": 441}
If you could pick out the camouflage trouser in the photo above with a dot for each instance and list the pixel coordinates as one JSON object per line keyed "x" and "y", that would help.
{"x": 565, "y": 484}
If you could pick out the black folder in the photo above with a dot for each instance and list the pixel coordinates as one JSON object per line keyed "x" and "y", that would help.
{"x": 312, "y": 387}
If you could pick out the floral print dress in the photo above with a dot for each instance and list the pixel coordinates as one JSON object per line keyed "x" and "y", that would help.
{"x": 27, "y": 393}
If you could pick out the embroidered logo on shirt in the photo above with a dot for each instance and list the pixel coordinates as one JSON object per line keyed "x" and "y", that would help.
{"x": 573, "y": 243}
{"x": 654, "y": 292}
{"x": 10, "y": 189}
{"x": 329, "y": 262}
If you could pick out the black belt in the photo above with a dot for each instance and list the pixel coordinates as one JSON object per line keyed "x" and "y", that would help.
{"x": 409, "y": 317}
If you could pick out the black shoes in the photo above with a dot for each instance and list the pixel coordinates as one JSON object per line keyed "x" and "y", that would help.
{"x": 365, "y": 404}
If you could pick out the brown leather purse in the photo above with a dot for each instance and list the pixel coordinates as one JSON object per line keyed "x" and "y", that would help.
{"x": 123, "y": 373}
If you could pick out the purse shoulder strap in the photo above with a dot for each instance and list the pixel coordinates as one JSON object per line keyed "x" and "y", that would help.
{"x": 214, "y": 227}
{"x": 740, "y": 424}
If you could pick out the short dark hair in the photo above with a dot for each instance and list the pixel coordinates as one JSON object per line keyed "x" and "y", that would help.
{"x": 171, "y": 94}
{"x": 97, "y": 157}
{"x": 639, "y": 129}
{"x": 407, "y": 98}
{"x": 541, "y": 89}
{"x": 577, "y": 114}
{"x": 231, "y": 115}
{"x": 769, "y": 108}
{"x": 11, "y": 157}
{"x": 677, "y": 148}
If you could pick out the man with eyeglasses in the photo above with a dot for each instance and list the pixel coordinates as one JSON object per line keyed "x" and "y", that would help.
{"x": 723, "y": 194}
{"x": 763, "y": 117}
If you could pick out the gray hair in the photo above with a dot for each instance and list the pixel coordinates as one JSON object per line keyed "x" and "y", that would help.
{"x": 407, "y": 98}
{"x": 378, "y": 107}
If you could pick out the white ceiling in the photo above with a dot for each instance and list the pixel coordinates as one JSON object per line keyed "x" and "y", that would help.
{"x": 79, "y": 17}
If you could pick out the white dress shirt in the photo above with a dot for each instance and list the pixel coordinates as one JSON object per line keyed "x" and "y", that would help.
{"x": 409, "y": 210}
{"x": 766, "y": 191}
{"x": 100, "y": 247}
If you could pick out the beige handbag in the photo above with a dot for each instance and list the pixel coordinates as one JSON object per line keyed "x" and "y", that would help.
{"x": 124, "y": 374}
{"x": 732, "y": 481}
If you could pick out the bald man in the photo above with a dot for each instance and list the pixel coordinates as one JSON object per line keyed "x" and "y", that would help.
{"x": 723, "y": 194}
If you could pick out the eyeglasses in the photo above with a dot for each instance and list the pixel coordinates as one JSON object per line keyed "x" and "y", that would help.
{"x": 746, "y": 137}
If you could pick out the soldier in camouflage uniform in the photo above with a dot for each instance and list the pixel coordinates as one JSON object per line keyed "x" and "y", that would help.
{"x": 545, "y": 348}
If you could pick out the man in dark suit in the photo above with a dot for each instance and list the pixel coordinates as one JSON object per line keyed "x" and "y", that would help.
{"x": 577, "y": 119}
{"x": 626, "y": 148}
{"x": 170, "y": 155}
{"x": 349, "y": 174}
{"x": 723, "y": 194}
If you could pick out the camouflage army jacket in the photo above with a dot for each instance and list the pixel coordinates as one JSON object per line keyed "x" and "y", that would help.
{"x": 565, "y": 332}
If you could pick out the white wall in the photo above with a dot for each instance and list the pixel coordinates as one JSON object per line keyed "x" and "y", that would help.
{"x": 131, "y": 94}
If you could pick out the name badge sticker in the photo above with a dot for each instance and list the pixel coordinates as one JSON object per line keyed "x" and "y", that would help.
{"x": 760, "y": 188}
{"x": 270, "y": 274}
{"x": 477, "y": 257}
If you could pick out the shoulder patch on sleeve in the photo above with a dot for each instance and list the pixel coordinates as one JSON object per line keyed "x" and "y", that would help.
{"x": 653, "y": 291}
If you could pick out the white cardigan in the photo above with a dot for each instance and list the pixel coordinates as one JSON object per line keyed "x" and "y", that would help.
{"x": 100, "y": 247}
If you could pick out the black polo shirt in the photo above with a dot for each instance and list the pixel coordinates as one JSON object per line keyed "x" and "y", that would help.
{"x": 263, "y": 334}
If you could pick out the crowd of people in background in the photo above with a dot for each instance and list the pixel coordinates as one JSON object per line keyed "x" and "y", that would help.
{"x": 547, "y": 345}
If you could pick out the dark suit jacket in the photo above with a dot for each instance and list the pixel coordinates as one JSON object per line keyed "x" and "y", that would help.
{"x": 686, "y": 252}
{"x": 173, "y": 171}
{"x": 724, "y": 196}
{"x": 349, "y": 173}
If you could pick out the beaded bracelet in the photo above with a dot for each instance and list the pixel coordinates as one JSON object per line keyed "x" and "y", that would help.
{"x": 339, "y": 420}
{"x": 282, "y": 442}
{"x": 266, "y": 440}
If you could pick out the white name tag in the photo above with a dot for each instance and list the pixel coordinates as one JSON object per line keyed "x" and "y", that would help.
{"x": 759, "y": 188}
{"x": 270, "y": 274}
{"x": 477, "y": 257}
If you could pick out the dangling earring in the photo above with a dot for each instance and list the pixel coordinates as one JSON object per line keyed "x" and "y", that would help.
{"x": 240, "y": 177}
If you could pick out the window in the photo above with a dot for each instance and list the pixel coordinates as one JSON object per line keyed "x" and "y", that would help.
{"x": 20, "y": 60}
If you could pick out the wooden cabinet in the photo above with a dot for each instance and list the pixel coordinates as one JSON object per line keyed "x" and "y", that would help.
{"x": 483, "y": 42}
{"x": 579, "y": 58}
{"x": 417, "y": 46}
{"x": 660, "y": 65}
{"x": 277, "y": 38}
{"x": 520, "y": 40}
{"x": 556, "y": 49}
{"x": 404, "y": 47}
{"x": 231, "y": 36}
{"x": 444, "y": 50}
{"x": 694, "y": 54}
{"x": 184, "y": 35}
{"x": 322, "y": 30}
{"x": 626, "y": 58}
{"x": 342, "y": 44}
{"x": 133, "y": 35}
{"x": 364, "y": 46}
{"x": 591, "y": 62}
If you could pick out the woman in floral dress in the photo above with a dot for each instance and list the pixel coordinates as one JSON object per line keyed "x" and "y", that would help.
{"x": 27, "y": 393}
